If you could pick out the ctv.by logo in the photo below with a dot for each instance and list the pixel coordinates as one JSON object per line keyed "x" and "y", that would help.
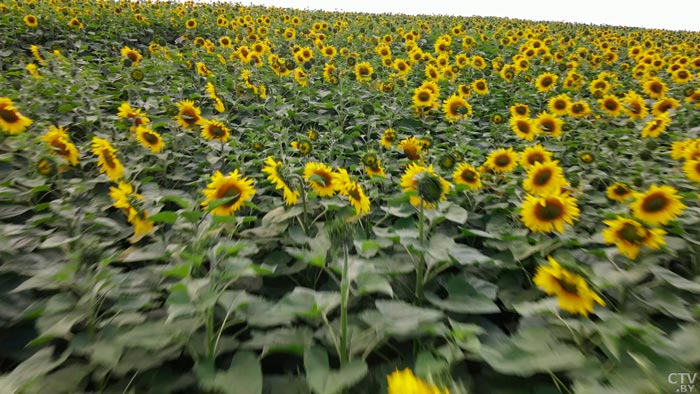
{"x": 684, "y": 381}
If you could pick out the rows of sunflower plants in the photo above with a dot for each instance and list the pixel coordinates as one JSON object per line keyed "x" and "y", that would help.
{"x": 218, "y": 198}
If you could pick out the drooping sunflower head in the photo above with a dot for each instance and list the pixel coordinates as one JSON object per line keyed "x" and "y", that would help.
{"x": 658, "y": 205}
{"x": 321, "y": 178}
{"x": 502, "y": 160}
{"x": 59, "y": 144}
{"x": 546, "y": 214}
{"x": 424, "y": 185}
{"x": 571, "y": 289}
{"x": 107, "y": 159}
{"x": 233, "y": 187}
{"x": 275, "y": 174}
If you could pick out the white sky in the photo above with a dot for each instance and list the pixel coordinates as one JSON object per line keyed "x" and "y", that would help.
{"x": 661, "y": 14}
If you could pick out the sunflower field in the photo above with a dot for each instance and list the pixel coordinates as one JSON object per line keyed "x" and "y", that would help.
{"x": 216, "y": 198}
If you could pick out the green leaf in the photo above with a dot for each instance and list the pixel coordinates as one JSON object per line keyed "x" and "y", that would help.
{"x": 323, "y": 380}
{"x": 676, "y": 280}
{"x": 400, "y": 318}
{"x": 466, "y": 295}
{"x": 164, "y": 217}
{"x": 34, "y": 367}
{"x": 456, "y": 214}
{"x": 244, "y": 376}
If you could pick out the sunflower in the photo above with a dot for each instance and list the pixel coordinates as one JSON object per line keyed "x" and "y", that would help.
{"x": 549, "y": 124}
{"x": 76, "y": 23}
{"x": 579, "y": 109}
{"x": 214, "y": 130}
{"x": 388, "y": 138}
{"x": 456, "y": 108}
{"x": 272, "y": 168}
{"x": 191, "y": 24}
{"x": 533, "y": 155}
{"x": 107, "y": 159}
{"x": 619, "y": 191}
{"x": 480, "y": 86}
{"x": 628, "y": 235}
{"x": 31, "y": 21}
{"x": 303, "y": 147}
{"x": 405, "y": 382}
{"x": 502, "y": 160}
{"x": 658, "y": 205}
{"x": 411, "y": 147}
{"x": 321, "y": 178}
{"x": 149, "y": 139}
{"x": 691, "y": 168}
{"x": 375, "y": 170}
{"x": 203, "y": 70}
{"x": 634, "y": 105}
{"x": 188, "y": 114}
{"x": 423, "y": 98}
{"x": 611, "y": 105}
{"x": 225, "y": 42}
{"x": 548, "y": 213}
{"x": 572, "y": 291}
{"x": 546, "y": 82}
{"x": 664, "y": 105}
{"x": 545, "y": 179}
{"x": 123, "y": 195}
{"x": 519, "y": 110}
{"x": 467, "y": 175}
{"x": 234, "y": 186}
{"x": 656, "y": 126}
{"x": 357, "y": 197}
{"x": 559, "y": 105}
{"x": 363, "y": 71}
{"x": 423, "y": 183}
{"x": 59, "y": 142}
{"x": 523, "y": 127}
{"x": 655, "y": 88}
{"x": 11, "y": 120}
{"x": 132, "y": 55}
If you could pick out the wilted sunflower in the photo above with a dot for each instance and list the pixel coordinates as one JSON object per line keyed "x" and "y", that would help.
{"x": 234, "y": 186}
{"x": 548, "y": 213}
{"x": 149, "y": 139}
{"x": 411, "y": 147}
{"x": 107, "y": 159}
{"x": 544, "y": 179}
{"x": 658, "y": 205}
{"x": 534, "y": 154}
{"x": 272, "y": 168}
{"x": 691, "y": 168}
{"x": 405, "y": 382}
{"x": 456, "y": 108}
{"x": 549, "y": 124}
{"x": 628, "y": 235}
{"x": 546, "y": 82}
{"x": 619, "y": 191}
{"x": 320, "y": 177}
{"x": 11, "y": 120}
{"x": 467, "y": 175}
{"x": 189, "y": 115}
{"x": 571, "y": 290}
{"x": 502, "y": 160}
{"x": 423, "y": 183}
{"x": 59, "y": 142}
{"x": 214, "y": 130}
{"x": 523, "y": 127}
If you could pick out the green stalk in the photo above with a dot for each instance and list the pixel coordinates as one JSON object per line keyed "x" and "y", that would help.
{"x": 344, "y": 295}
{"x": 421, "y": 261}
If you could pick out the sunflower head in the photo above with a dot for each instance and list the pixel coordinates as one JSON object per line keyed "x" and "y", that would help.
{"x": 571, "y": 289}
{"x": 234, "y": 188}
{"x": 658, "y": 205}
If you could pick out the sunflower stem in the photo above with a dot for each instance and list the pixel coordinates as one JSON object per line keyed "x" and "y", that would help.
{"x": 421, "y": 262}
{"x": 344, "y": 295}
{"x": 305, "y": 219}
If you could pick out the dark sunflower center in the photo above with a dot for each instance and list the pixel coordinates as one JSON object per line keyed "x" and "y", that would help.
{"x": 535, "y": 158}
{"x": 457, "y": 108}
{"x": 354, "y": 192}
{"x": 523, "y": 126}
{"x": 189, "y": 116}
{"x": 9, "y": 116}
{"x": 469, "y": 176}
{"x": 635, "y": 108}
{"x": 683, "y": 74}
{"x": 542, "y": 177}
{"x": 655, "y": 87}
{"x": 228, "y": 192}
{"x": 611, "y": 105}
{"x": 630, "y": 233}
{"x": 325, "y": 178}
{"x": 480, "y": 86}
{"x": 150, "y": 138}
{"x": 620, "y": 190}
{"x": 664, "y": 106}
{"x": 560, "y": 104}
{"x": 569, "y": 287}
{"x": 60, "y": 147}
{"x": 364, "y": 71}
{"x": 550, "y": 211}
{"x": 133, "y": 56}
{"x": 655, "y": 202}
{"x": 217, "y": 132}
{"x": 522, "y": 111}
{"x": 108, "y": 159}
{"x": 502, "y": 160}
{"x": 546, "y": 82}
{"x": 423, "y": 96}
{"x": 411, "y": 152}
{"x": 577, "y": 108}
{"x": 547, "y": 125}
